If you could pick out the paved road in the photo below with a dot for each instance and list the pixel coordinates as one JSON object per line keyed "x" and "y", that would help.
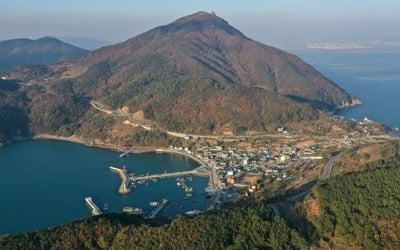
{"x": 299, "y": 196}
{"x": 325, "y": 175}
{"x": 328, "y": 168}
{"x": 275, "y": 210}
{"x": 99, "y": 106}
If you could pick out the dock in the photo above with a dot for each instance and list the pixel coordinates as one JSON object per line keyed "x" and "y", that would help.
{"x": 197, "y": 171}
{"x": 123, "y": 188}
{"x": 164, "y": 175}
{"x": 158, "y": 209}
{"x": 137, "y": 150}
{"x": 94, "y": 209}
{"x": 124, "y": 154}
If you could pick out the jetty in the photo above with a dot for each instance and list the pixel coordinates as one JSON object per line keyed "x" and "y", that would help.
{"x": 137, "y": 150}
{"x": 124, "y": 154}
{"x": 94, "y": 209}
{"x": 123, "y": 188}
{"x": 158, "y": 209}
{"x": 198, "y": 171}
{"x": 164, "y": 175}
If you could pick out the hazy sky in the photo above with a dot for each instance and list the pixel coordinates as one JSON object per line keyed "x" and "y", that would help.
{"x": 283, "y": 23}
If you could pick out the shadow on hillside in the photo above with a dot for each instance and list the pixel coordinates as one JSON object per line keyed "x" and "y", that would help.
{"x": 294, "y": 211}
{"x": 312, "y": 103}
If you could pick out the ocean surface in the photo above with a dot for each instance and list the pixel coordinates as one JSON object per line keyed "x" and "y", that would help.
{"x": 43, "y": 183}
{"x": 371, "y": 76}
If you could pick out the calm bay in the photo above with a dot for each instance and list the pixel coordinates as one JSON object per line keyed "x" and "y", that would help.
{"x": 43, "y": 183}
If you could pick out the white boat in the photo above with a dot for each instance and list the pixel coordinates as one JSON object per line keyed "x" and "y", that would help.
{"x": 131, "y": 210}
{"x": 193, "y": 212}
{"x": 153, "y": 203}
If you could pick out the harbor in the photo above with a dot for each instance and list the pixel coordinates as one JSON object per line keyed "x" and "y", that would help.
{"x": 95, "y": 180}
{"x": 129, "y": 181}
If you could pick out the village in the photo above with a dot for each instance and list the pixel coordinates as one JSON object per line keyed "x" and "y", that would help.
{"x": 244, "y": 169}
{"x": 244, "y": 165}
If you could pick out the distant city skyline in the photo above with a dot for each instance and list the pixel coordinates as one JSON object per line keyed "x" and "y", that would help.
{"x": 286, "y": 23}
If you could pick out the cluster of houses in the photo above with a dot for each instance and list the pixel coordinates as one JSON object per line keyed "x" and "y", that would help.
{"x": 242, "y": 168}
{"x": 246, "y": 168}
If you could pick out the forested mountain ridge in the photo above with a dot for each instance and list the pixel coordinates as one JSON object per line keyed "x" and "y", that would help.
{"x": 196, "y": 75}
{"x": 43, "y": 51}
{"x": 204, "y": 47}
{"x": 360, "y": 210}
{"x": 248, "y": 227}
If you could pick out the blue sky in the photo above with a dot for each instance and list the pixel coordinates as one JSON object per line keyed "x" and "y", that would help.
{"x": 283, "y": 23}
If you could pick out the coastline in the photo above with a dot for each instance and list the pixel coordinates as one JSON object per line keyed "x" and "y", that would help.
{"x": 103, "y": 145}
{"x": 80, "y": 140}
{"x": 354, "y": 102}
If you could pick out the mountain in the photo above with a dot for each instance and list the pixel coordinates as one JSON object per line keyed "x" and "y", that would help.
{"x": 200, "y": 74}
{"x": 204, "y": 46}
{"x": 85, "y": 42}
{"x": 196, "y": 75}
{"x": 47, "y": 50}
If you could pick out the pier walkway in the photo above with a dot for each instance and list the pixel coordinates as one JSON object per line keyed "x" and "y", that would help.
{"x": 158, "y": 209}
{"x": 164, "y": 175}
{"x": 94, "y": 209}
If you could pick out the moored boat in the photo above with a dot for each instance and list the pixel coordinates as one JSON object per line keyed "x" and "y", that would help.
{"x": 131, "y": 210}
{"x": 153, "y": 203}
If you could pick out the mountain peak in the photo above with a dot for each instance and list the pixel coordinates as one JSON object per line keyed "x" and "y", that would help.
{"x": 48, "y": 39}
{"x": 201, "y": 21}
{"x": 199, "y": 16}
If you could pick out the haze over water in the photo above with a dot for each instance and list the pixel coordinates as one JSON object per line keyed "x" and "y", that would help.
{"x": 371, "y": 76}
{"x": 44, "y": 183}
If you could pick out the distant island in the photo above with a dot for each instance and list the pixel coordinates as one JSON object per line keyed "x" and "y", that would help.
{"x": 336, "y": 46}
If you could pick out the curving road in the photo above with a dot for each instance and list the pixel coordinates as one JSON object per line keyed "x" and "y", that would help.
{"x": 325, "y": 175}
{"x": 328, "y": 168}
{"x": 147, "y": 126}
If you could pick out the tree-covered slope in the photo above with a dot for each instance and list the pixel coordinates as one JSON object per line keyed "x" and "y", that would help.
{"x": 47, "y": 50}
{"x": 361, "y": 209}
{"x": 204, "y": 46}
{"x": 13, "y": 115}
{"x": 198, "y": 74}
{"x": 249, "y": 227}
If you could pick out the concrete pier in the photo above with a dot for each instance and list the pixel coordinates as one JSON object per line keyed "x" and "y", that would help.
{"x": 123, "y": 188}
{"x": 156, "y": 176}
{"x": 94, "y": 209}
{"x": 158, "y": 209}
{"x": 197, "y": 171}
